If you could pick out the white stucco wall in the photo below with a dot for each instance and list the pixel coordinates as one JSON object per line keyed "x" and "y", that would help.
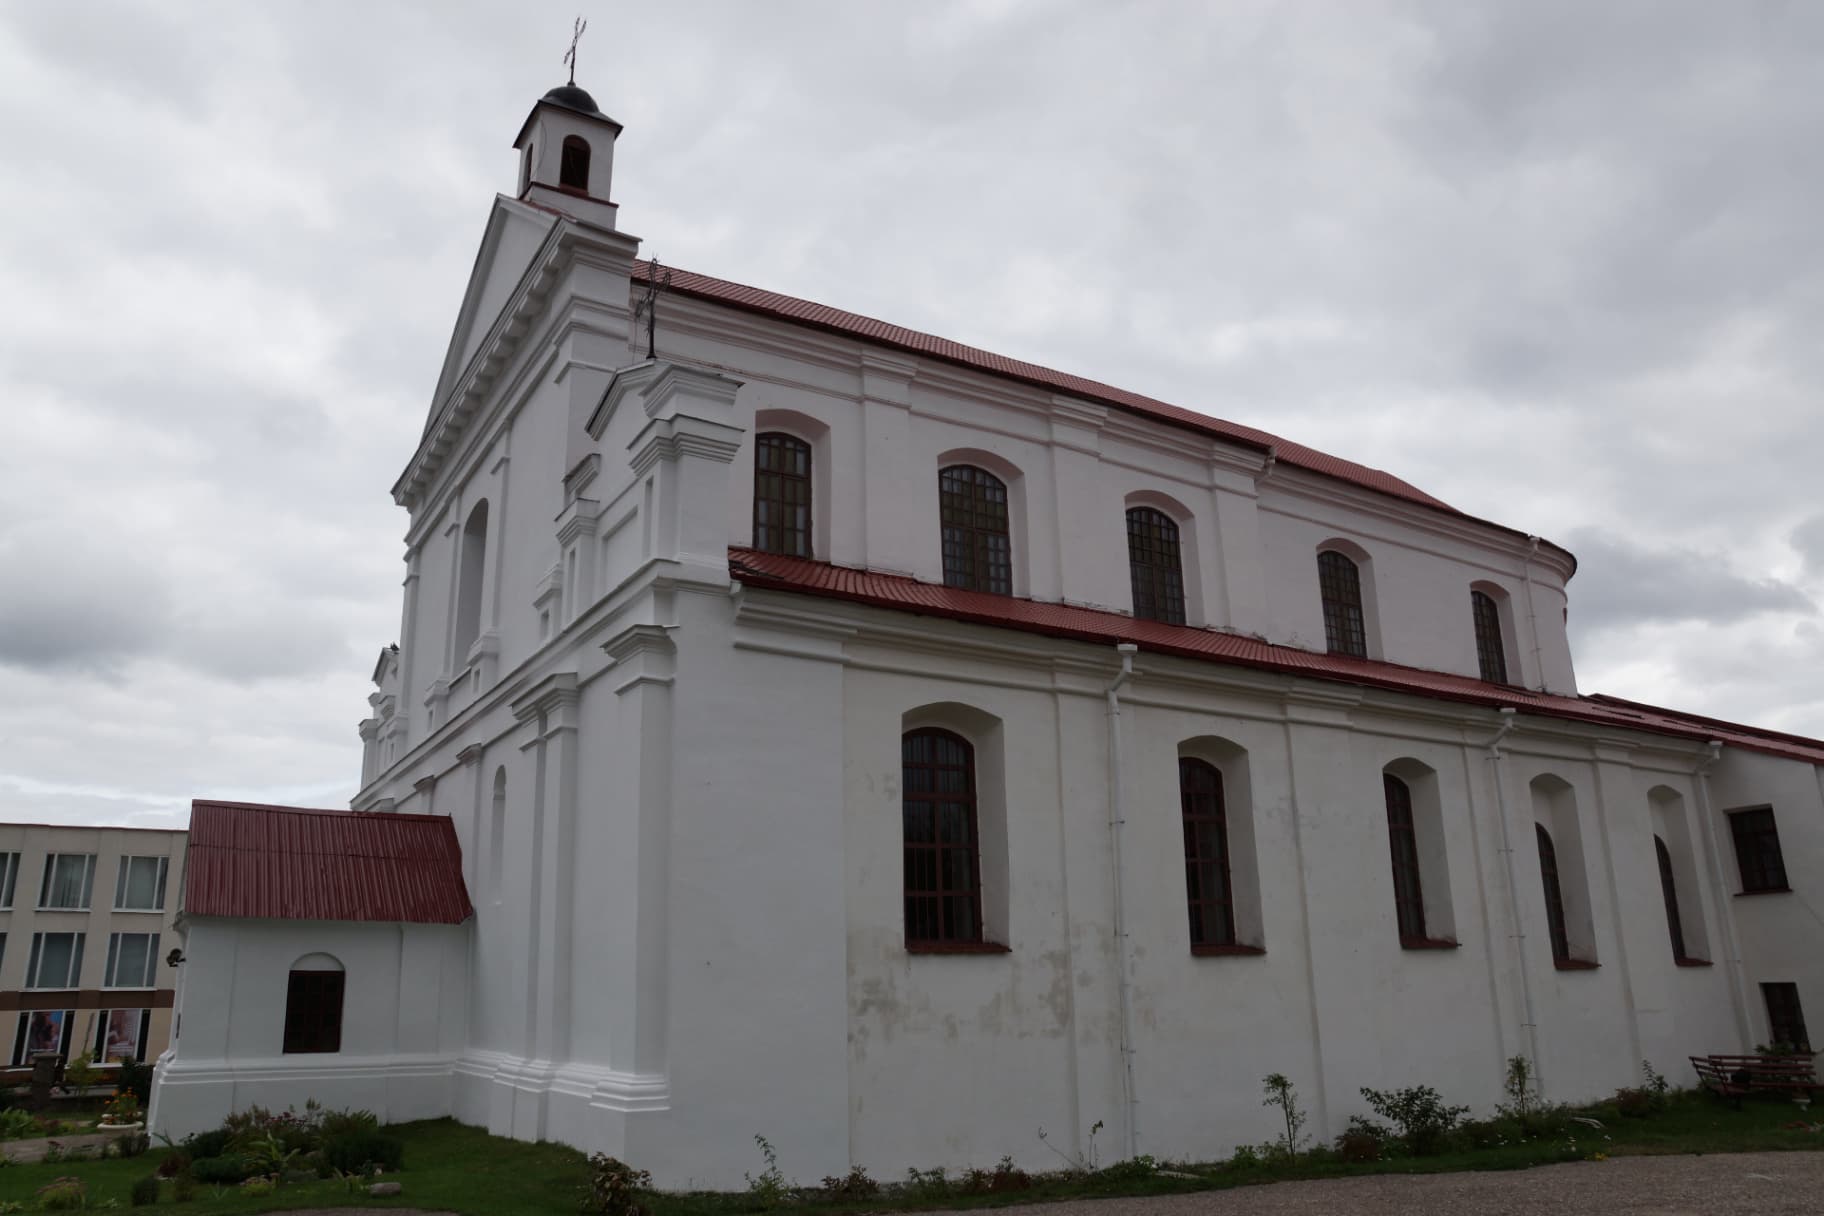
{"x": 404, "y": 1020}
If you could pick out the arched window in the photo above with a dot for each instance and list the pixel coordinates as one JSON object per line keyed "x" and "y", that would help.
{"x": 313, "y": 1005}
{"x": 1402, "y": 836}
{"x": 782, "y": 494}
{"x": 1554, "y": 896}
{"x": 1668, "y": 887}
{"x": 471, "y": 558}
{"x": 1155, "y": 565}
{"x": 942, "y": 849}
{"x": 573, "y": 170}
{"x": 1491, "y": 652}
{"x": 1209, "y": 893}
{"x": 1345, "y": 628}
{"x": 977, "y": 553}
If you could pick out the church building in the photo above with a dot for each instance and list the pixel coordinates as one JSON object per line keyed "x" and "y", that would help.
{"x": 806, "y": 727}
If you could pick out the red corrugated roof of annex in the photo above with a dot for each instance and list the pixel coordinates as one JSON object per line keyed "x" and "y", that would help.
{"x": 1093, "y": 625}
{"x": 298, "y": 863}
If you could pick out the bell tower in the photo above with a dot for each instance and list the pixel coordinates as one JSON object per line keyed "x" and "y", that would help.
{"x": 566, "y": 156}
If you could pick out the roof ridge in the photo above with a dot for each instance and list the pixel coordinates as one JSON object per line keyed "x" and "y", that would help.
{"x": 232, "y": 805}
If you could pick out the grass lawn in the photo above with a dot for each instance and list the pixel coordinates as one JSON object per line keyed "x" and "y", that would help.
{"x": 464, "y": 1170}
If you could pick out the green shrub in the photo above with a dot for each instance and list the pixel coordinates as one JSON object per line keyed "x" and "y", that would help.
{"x": 183, "y": 1187}
{"x": 259, "y": 1186}
{"x": 176, "y": 1162}
{"x": 145, "y": 1191}
{"x": 16, "y": 1124}
{"x": 135, "y": 1078}
{"x": 335, "y": 1124}
{"x": 63, "y": 1195}
{"x": 359, "y": 1152}
{"x": 614, "y": 1187}
{"x": 1423, "y": 1120}
{"x": 207, "y": 1144}
{"x": 227, "y": 1168}
{"x": 1358, "y": 1142}
{"x": 854, "y": 1185}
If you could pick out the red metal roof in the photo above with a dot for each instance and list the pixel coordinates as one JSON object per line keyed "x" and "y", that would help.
{"x": 867, "y": 329}
{"x": 773, "y": 571}
{"x": 293, "y": 863}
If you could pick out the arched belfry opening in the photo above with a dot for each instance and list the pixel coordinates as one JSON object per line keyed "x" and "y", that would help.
{"x": 573, "y": 172}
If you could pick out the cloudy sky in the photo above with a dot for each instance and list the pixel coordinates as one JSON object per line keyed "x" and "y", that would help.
{"x": 1557, "y": 263}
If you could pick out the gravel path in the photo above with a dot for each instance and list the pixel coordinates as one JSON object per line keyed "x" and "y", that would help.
{"x": 1765, "y": 1184}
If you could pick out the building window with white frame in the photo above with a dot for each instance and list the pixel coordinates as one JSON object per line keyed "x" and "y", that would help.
{"x": 56, "y": 960}
{"x": 132, "y": 961}
{"x": 42, "y": 1030}
{"x": 120, "y": 1034}
{"x": 9, "y": 878}
{"x": 68, "y": 880}
{"x": 140, "y": 886}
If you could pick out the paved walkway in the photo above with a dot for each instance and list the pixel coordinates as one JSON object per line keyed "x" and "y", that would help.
{"x": 23, "y": 1151}
{"x": 1726, "y": 1184}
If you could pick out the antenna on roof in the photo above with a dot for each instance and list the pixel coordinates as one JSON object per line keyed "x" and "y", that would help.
{"x": 576, "y": 35}
{"x": 657, "y": 279}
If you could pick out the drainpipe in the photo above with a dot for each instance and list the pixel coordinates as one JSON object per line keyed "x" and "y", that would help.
{"x": 1713, "y": 751}
{"x": 1531, "y": 1024}
{"x": 1117, "y": 818}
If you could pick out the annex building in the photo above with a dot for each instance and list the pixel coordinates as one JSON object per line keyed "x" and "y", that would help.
{"x": 812, "y": 728}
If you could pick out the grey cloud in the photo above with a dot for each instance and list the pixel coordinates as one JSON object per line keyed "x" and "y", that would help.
{"x": 1621, "y": 584}
{"x": 1808, "y": 539}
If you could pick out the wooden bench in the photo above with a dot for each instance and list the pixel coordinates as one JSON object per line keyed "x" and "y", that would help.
{"x": 1733, "y": 1076}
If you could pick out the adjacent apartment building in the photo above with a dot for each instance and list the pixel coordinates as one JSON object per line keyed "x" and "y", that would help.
{"x": 85, "y": 922}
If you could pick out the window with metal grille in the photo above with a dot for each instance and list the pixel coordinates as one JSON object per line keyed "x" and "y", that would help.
{"x": 1155, "y": 566}
{"x": 1554, "y": 896}
{"x": 978, "y": 556}
{"x": 782, "y": 495}
{"x": 1208, "y": 886}
{"x": 1345, "y": 630}
{"x": 1402, "y": 836}
{"x": 1668, "y": 887}
{"x": 1491, "y": 653}
{"x": 132, "y": 961}
{"x": 139, "y": 884}
{"x": 68, "y": 879}
{"x": 313, "y": 1012}
{"x": 942, "y": 848}
{"x": 1757, "y": 850}
{"x": 573, "y": 169}
{"x": 1785, "y": 1020}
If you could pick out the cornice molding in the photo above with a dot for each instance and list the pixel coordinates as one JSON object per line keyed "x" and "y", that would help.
{"x": 554, "y": 698}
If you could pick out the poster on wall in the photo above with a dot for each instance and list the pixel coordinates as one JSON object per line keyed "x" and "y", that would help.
{"x": 123, "y": 1034}
{"x": 40, "y": 1030}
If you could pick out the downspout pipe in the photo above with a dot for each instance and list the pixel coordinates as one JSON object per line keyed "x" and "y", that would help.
{"x": 1532, "y": 609}
{"x": 1117, "y": 819}
{"x": 1530, "y": 1022}
{"x": 1738, "y": 988}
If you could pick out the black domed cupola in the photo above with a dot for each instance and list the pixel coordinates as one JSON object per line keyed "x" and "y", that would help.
{"x": 566, "y": 155}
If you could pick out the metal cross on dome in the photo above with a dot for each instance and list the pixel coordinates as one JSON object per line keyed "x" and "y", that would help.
{"x": 658, "y": 279}
{"x": 576, "y": 35}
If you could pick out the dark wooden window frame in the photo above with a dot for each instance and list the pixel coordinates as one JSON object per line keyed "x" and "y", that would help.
{"x": 783, "y": 500}
{"x": 1785, "y": 1018}
{"x": 1408, "y": 881}
{"x": 1758, "y": 857}
{"x": 1675, "y": 924}
{"x": 1491, "y": 649}
{"x": 1155, "y": 565}
{"x": 1554, "y": 904}
{"x": 314, "y": 1001}
{"x": 1209, "y": 877}
{"x": 1345, "y": 619}
{"x": 977, "y": 529}
{"x": 573, "y": 165}
{"x": 941, "y": 843}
